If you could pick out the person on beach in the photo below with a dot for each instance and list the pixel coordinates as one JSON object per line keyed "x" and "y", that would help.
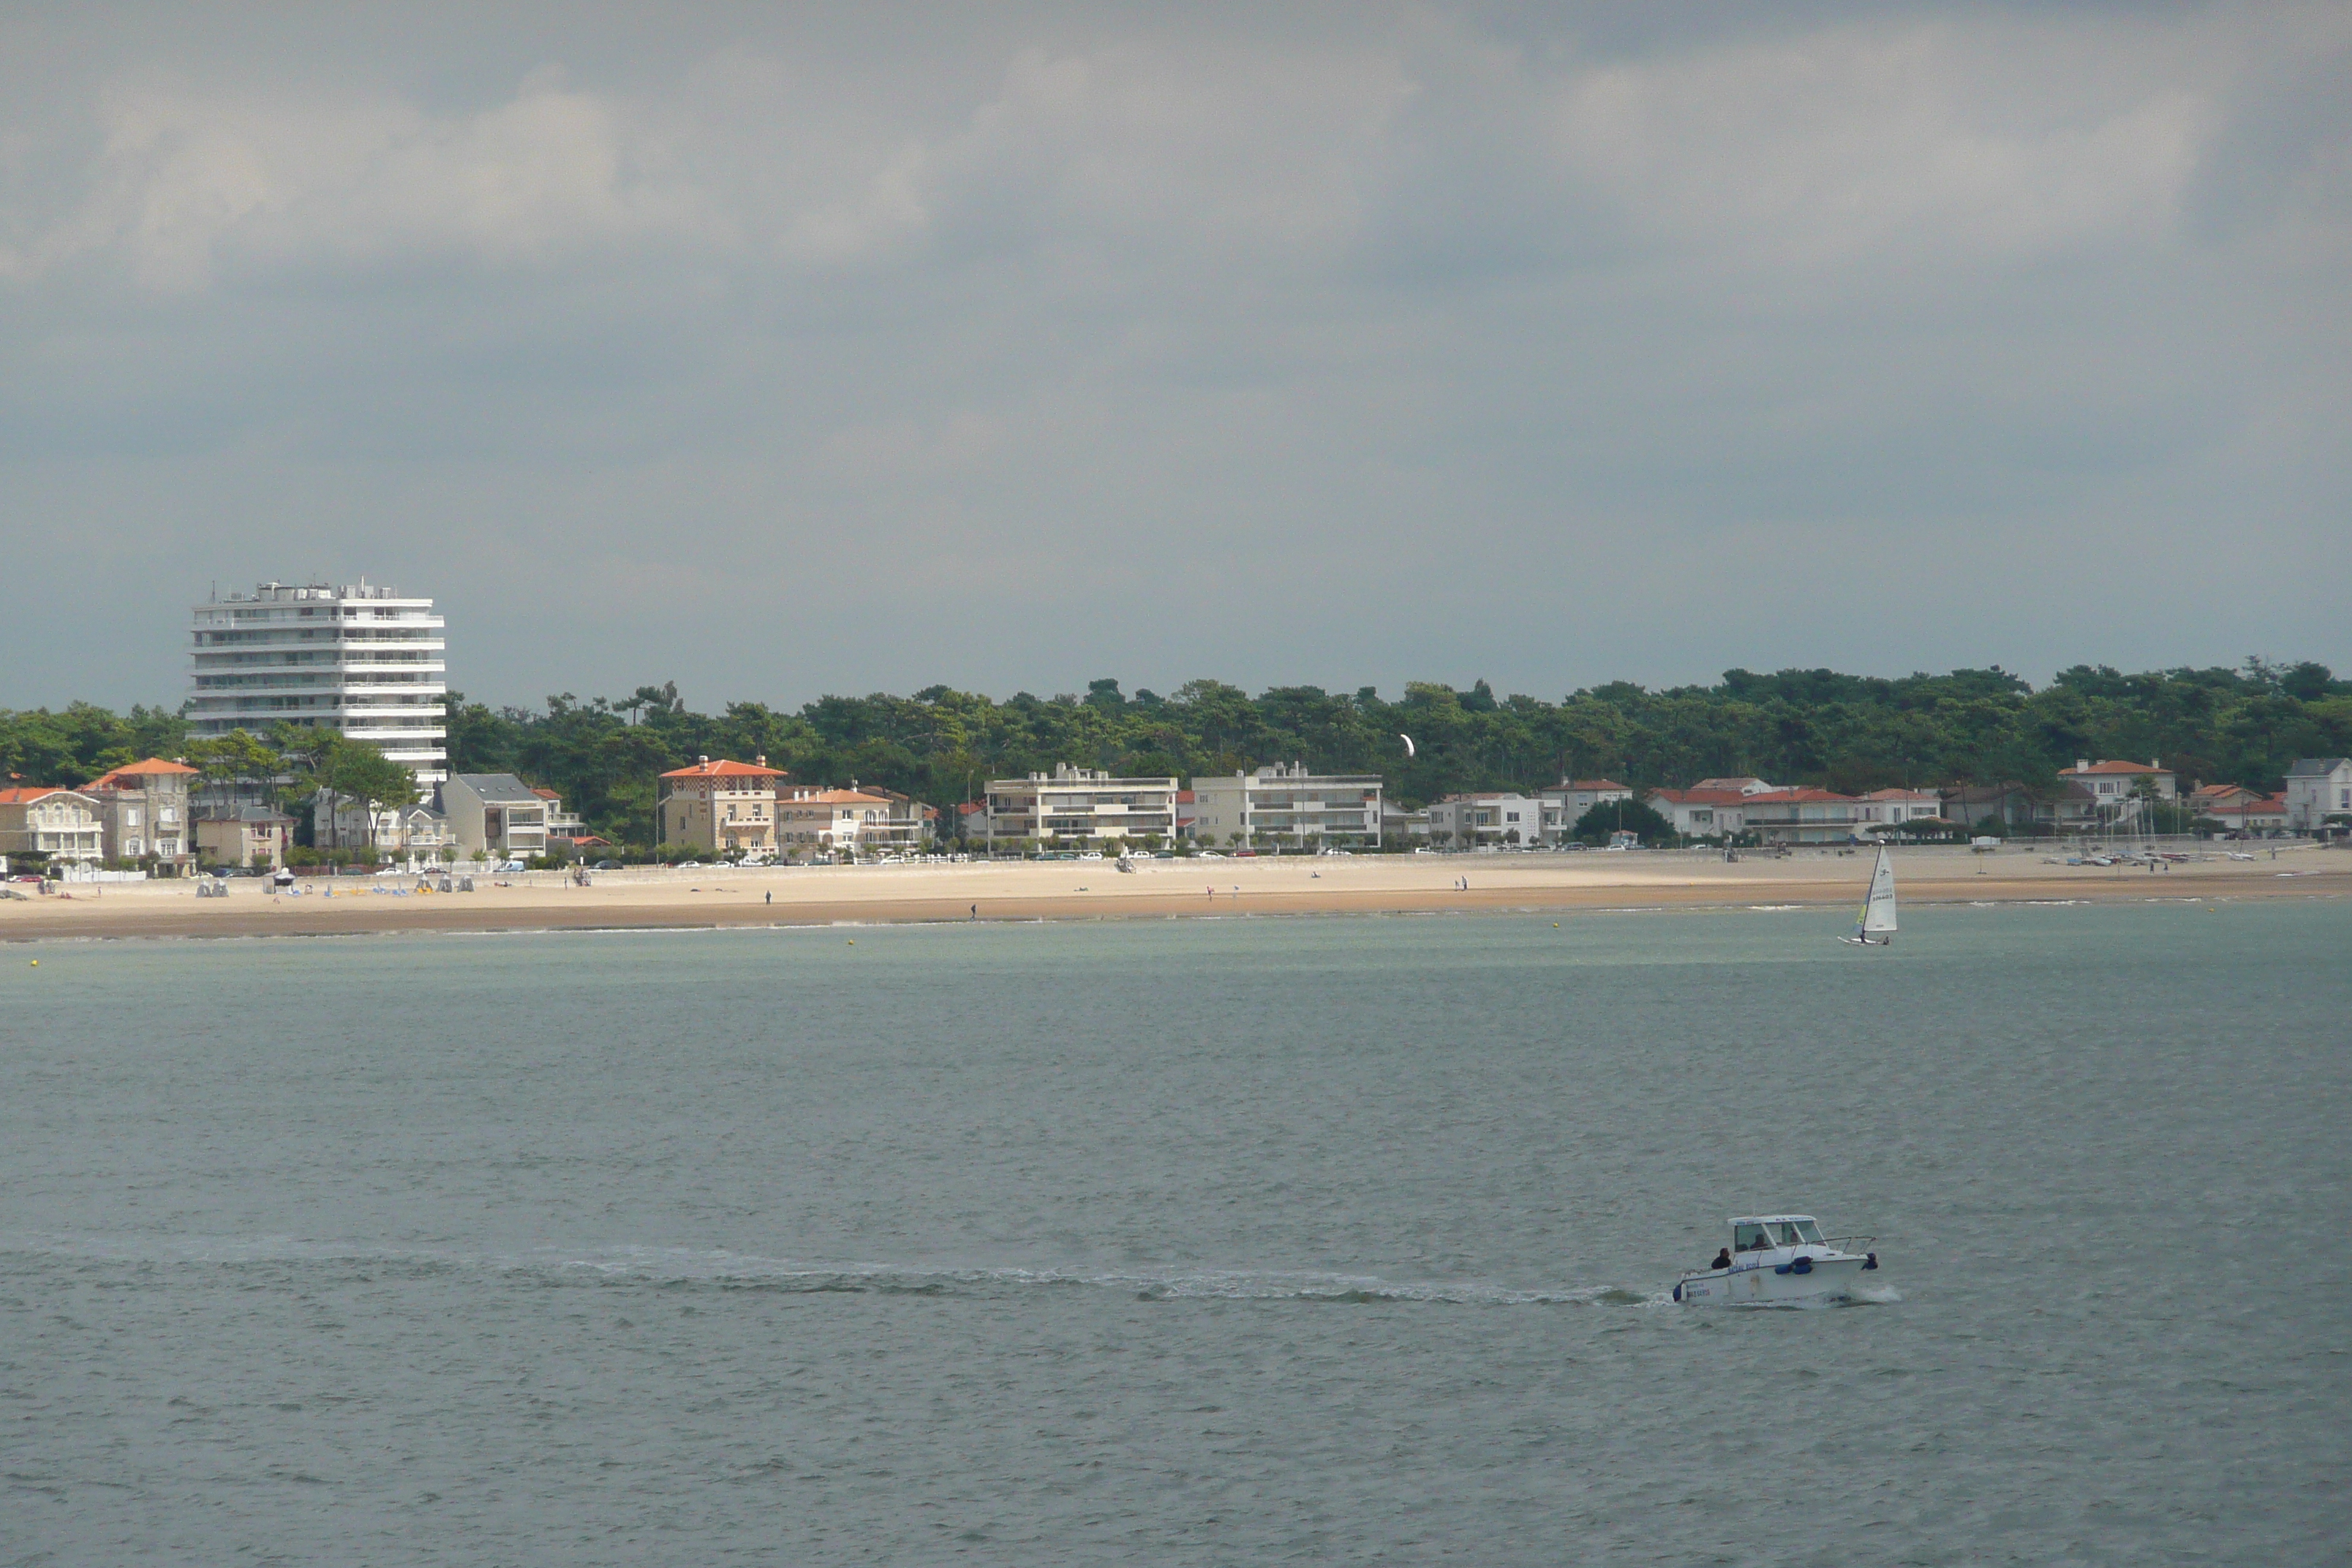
{"x": 975, "y": 911}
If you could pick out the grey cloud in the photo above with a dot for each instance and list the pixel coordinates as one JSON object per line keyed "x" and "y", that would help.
{"x": 1327, "y": 345}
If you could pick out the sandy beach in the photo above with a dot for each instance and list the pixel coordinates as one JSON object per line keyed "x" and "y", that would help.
{"x": 1096, "y": 889}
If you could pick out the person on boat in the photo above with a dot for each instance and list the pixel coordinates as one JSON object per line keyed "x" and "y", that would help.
{"x": 1722, "y": 1258}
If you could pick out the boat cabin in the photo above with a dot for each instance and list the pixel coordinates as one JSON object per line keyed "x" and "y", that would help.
{"x": 1762, "y": 1233}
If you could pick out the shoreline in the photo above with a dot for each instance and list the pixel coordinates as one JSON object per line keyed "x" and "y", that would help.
{"x": 1029, "y": 892}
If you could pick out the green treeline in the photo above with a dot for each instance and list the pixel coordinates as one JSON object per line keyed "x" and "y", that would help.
{"x": 1816, "y": 727}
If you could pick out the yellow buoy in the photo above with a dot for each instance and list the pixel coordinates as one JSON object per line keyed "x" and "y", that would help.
{"x": 37, "y": 964}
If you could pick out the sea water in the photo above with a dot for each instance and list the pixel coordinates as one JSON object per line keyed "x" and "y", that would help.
{"x": 1191, "y": 1242}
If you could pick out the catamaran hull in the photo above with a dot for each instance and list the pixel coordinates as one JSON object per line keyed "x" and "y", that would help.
{"x": 1766, "y": 1285}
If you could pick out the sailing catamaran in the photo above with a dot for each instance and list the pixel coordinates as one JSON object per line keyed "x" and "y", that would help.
{"x": 1875, "y": 926}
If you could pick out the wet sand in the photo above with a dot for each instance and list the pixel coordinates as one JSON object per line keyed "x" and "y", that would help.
{"x": 1096, "y": 889}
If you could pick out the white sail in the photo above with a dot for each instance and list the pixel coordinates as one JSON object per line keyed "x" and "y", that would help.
{"x": 1879, "y": 911}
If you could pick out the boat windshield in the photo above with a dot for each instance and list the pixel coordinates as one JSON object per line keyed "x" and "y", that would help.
{"x": 1792, "y": 1232}
{"x": 1749, "y": 1238}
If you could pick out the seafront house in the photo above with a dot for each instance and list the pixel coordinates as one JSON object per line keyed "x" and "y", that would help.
{"x": 1801, "y": 815}
{"x": 358, "y": 659}
{"x": 907, "y": 824}
{"x": 2263, "y": 815}
{"x": 1484, "y": 819}
{"x": 1700, "y": 812}
{"x": 830, "y": 821}
{"x": 144, "y": 806}
{"x": 1289, "y": 807}
{"x": 1564, "y": 803}
{"x": 720, "y": 807}
{"x": 255, "y": 837}
{"x": 2205, "y": 797}
{"x": 2316, "y": 789}
{"x": 1894, "y": 807}
{"x": 64, "y": 824}
{"x": 2012, "y": 806}
{"x": 421, "y": 834}
{"x": 563, "y": 828}
{"x": 2105, "y": 797}
{"x": 1082, "y": 807}
{"x": 496, "y": 816}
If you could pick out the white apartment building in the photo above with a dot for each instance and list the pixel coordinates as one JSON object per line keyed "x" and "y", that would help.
{"x": 2316, "y": 789}
{"x": 1485, "y": 817}
{"x": 1080, "y": 804}
{"x": 357, "y": 660}
{"x": 1287, "y": 805}
{"x": 1399, "y": 826}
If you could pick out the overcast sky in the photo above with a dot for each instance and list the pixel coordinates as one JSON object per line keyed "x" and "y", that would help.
{"x": 780, "y": 351}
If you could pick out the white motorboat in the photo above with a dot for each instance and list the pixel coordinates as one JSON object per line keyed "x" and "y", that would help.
{"x": 1779, "y": 1260}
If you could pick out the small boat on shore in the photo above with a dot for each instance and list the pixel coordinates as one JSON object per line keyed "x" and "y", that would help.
{"x": 1779, "y": 1260}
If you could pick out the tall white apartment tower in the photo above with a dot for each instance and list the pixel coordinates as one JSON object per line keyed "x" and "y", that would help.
{"x": 358, "y": 659}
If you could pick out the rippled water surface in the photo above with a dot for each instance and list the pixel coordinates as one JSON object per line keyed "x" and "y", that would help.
{"x": 1194, "y": 1242}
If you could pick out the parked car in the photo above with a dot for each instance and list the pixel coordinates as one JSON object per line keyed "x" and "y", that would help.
{"x": 608, "y": 864}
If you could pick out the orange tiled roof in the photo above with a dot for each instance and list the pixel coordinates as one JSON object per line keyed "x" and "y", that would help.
{"x": 152, "y": 766}
{"x": 723, "y": 769}
{"x": 21, "y": 794}
{"x": 2110, "y": 767}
